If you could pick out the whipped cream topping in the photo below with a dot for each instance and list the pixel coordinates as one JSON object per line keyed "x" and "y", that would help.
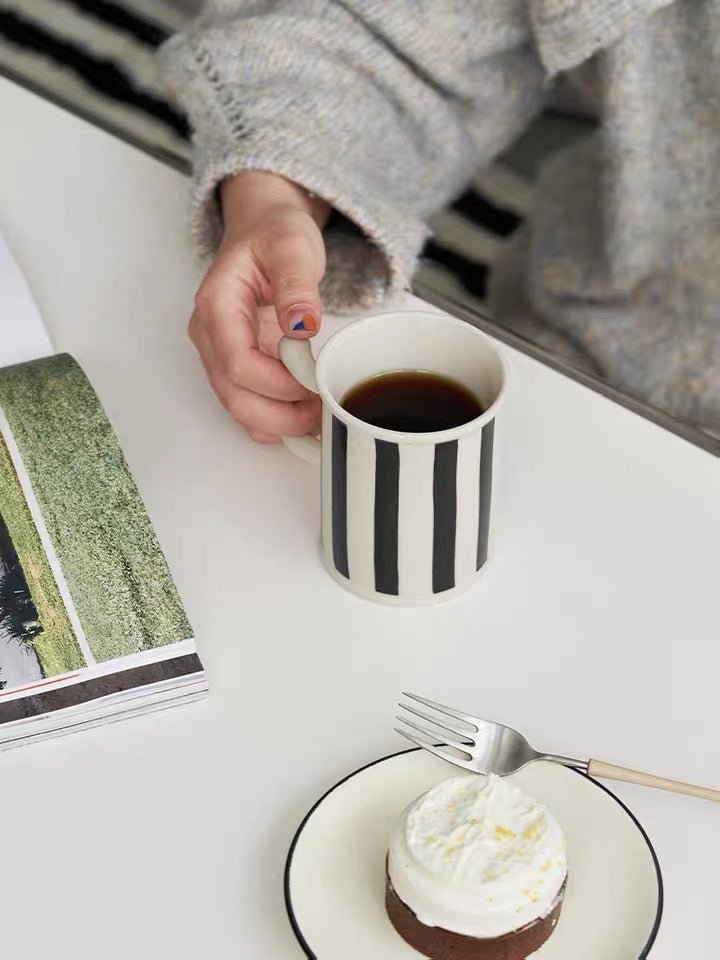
{"x": 477, "y": 856}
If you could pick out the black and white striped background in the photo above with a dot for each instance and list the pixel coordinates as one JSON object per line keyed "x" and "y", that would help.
{"x": 97, "y": 56}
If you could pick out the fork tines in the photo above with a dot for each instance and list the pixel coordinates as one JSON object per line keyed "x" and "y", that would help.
{"x": 442, "y": 736}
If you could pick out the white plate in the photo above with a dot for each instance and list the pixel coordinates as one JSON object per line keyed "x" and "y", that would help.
{"x": 335, "y": 871}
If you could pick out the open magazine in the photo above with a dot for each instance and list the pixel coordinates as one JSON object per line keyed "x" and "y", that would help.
{"x": 91, "y": 625}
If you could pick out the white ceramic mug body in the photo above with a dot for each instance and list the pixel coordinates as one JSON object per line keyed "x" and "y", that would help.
{"x": 405, "y": 516}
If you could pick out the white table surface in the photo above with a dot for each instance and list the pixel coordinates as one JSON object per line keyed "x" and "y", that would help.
{"x": 594, "y": 629}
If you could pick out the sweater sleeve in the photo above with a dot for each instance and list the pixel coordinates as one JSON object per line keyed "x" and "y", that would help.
{"x": 385, "y": 109}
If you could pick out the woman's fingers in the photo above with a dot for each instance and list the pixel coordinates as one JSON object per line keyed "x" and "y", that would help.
{"x": 254, "y": 370}
{"x": 223, "y": 330}
{"x": 263, "y": 415}
{"x": 265, "y": 418}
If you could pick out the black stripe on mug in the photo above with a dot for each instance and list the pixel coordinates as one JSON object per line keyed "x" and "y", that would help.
{"x": 387, "y": 511}
{"x": 339, "y": 497}
{"x": 486, "y": 466}
{"x": 444, "y": 515}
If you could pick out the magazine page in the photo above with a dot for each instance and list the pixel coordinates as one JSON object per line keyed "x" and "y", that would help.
{"x": 88, "y": 608}
{"x": 22, "y": 333}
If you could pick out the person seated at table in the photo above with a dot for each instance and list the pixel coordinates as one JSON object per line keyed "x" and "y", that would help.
{"x": 327, "y": 132}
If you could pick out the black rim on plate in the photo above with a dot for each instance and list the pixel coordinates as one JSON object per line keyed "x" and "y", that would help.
{"x": 298, "y": 833}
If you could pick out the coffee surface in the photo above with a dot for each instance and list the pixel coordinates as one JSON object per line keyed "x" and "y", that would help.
{"x": 412, "y": 401}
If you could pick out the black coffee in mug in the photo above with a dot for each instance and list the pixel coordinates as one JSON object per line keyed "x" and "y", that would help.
{"x": 412, "y": 401}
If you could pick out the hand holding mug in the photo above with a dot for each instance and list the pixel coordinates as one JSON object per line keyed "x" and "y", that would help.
{"x": 262, "y": 284}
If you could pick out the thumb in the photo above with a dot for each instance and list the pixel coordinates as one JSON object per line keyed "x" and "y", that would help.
{"x": 294, "y": 271}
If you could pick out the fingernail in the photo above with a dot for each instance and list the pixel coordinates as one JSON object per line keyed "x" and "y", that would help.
{"x": 302, "y": 319}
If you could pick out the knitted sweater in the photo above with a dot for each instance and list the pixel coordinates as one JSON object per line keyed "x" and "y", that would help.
{"x": 387, "y": 108}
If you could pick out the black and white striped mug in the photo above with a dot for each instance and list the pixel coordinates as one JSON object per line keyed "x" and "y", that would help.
{"x": 405, "y": 516}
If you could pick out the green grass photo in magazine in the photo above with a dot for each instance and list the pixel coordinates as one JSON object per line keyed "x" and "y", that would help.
{"x": 117, "y": 578}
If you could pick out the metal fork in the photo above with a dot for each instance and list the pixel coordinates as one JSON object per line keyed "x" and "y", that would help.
{"x": 489, "y": 747}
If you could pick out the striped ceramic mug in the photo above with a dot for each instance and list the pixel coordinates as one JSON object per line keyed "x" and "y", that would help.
{"x": 405, "y": 516}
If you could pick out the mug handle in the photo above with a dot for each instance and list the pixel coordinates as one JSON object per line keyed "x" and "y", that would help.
{"x": 298, "y": 358}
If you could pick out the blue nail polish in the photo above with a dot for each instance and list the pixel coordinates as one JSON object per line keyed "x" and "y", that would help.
{"x": 300, "y": 325}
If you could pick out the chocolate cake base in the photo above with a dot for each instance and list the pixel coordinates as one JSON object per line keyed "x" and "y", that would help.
{"x": 439, "y": 944}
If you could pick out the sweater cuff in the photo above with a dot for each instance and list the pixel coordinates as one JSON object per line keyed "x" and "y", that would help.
{"x": 371, "y": 248}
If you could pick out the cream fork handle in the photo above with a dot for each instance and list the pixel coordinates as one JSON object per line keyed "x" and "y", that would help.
{"x": 598, "y": 768}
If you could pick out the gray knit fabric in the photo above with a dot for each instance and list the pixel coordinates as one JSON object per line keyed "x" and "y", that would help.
{"x": 387, "y": 108}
